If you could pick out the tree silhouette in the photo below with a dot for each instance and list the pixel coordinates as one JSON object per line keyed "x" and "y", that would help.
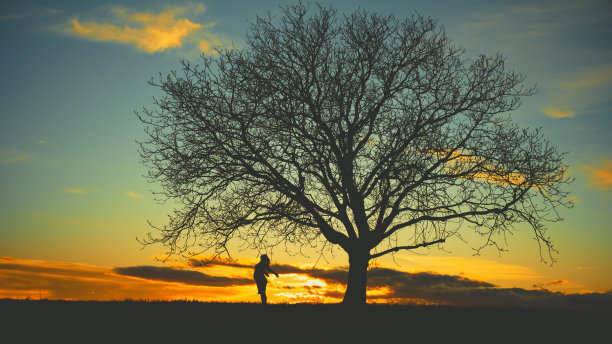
{"x": 364, "y": 131}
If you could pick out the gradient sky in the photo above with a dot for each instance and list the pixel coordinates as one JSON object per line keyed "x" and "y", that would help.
{"x": 73, "y": 199}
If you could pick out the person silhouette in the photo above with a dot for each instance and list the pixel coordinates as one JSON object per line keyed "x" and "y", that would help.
{"x": 260, "y": 274}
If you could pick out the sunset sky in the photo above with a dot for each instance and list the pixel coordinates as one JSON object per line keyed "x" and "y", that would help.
{"x": 74, "y": 199}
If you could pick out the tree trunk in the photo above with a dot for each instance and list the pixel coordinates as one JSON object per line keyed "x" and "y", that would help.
{"x": 357, "y": 279}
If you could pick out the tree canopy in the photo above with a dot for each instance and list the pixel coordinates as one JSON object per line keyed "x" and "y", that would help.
{"x": 365, "y": 131}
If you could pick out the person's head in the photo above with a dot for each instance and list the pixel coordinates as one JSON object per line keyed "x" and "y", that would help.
{"x": 264, "y": 258}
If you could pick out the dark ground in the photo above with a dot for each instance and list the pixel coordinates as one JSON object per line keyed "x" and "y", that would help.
{"x": 194, "y": 322}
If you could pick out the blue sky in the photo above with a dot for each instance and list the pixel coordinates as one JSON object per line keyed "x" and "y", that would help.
{"x": 74, "y": 72}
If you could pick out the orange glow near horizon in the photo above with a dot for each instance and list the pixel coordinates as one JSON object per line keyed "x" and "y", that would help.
{"x": 232, "y": 282}
{"x": 36, "y": 279}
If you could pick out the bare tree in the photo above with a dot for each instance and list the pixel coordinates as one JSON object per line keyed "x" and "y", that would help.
{"x": 364, "y": 131}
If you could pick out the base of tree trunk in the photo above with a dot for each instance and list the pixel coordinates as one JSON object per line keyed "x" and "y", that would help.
{"x": 357, "y": 279}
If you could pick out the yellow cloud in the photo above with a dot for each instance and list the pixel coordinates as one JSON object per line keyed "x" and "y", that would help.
{"x": 601, "y": 177}
{"x": 459, "y": 161}
{"x": 557, "y": 113}
{"x": 150, "y": 32}
{"x": 11, "y": 156}
{"x": 134, "y": 195}
{"x": 75, "y": 191}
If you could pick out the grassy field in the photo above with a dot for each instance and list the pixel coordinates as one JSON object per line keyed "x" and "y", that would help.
{"x": 195, "y": 322}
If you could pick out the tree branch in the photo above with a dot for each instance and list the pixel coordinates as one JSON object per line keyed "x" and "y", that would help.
{"x": 398, "y": 248}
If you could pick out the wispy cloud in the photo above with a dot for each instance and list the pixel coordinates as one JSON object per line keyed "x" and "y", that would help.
{"x": 555, "y": 282}
{"x": 585, "y": 268}
{"x": 563, "y": 42}
{"x": 76, "y": 191}
{"x": 556, "y": 113}
{"x": 134, "y": 195}
{"x": 591, "y": 78}
{"x": 149, "y": 32}
{"x": 535, "y": 24}
{"x": 13, "y": 156}
{"x": 33, "y": 11}
{"x": 601, "y": 176}
{"x": 576, "y": 92}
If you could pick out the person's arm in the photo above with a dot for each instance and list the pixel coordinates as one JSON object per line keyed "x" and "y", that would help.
{"x": 272, "y": 271}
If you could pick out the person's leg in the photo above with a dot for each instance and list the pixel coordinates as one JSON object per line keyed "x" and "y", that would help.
{"x": 261, "y": 289}
{"x": 264, "y": 298}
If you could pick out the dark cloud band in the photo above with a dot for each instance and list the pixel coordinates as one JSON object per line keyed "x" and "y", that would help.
{"x": 442, "y": 289}
{"x": 168, "y": 274}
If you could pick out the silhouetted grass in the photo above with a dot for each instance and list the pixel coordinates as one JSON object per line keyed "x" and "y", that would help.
{"x": 179, "y": 321}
